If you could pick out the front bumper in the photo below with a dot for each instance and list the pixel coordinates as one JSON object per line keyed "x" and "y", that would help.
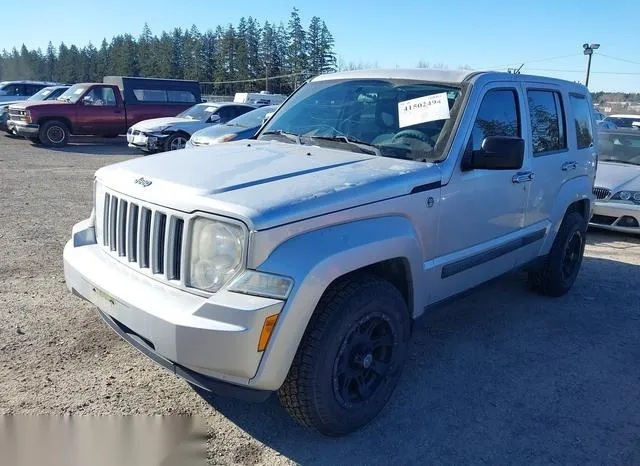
{"x": 25, "y": 129}
{"x": 616, "y": 216}
{"x": 211, "y": 342}
{"x": 146, "y": 141}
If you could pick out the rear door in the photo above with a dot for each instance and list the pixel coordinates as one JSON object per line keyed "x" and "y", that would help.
{"x": 99, "y": 111}
{"x": 551, "y": 162}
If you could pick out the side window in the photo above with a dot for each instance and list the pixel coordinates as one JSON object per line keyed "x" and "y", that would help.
{"x": 181, "y": 97}
{"x": 14, "y": 89}
{"x": 108, "y": 97}
{"x": 32, "y": 89}
{"x": 498, "y": 116}
{"x": 226, "y": 113}
{"x": 547, "y": 121}
{"x": 582, "y": 120}
{"x": 239, "y": 110}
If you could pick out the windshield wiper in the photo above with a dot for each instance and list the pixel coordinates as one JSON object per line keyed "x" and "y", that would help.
{"x": 289, "y": 136}
{"x": 363, "y": 146}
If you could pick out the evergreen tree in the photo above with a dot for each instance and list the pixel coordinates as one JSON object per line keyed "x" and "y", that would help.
{"x": 328, "y": 63}
{"x": 147, "y": 49}
{"x": 314, "y": 46}
{"x": 51, "y": 60}
{"x": 297, "y": 56}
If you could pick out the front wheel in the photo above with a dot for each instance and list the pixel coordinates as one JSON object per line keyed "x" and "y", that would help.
{"x": 560, "y": 269}
{"x": 350, "y": 358}
{"x": 54, "y": 133}
{"x": 176, "y": 141}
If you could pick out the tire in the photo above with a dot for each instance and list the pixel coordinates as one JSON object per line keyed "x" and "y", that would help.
{"x": 560, "y": 269}
{"x": 333, "y": 387}
{"x": 176, "y": 141}
{"x": 54, "y": 133}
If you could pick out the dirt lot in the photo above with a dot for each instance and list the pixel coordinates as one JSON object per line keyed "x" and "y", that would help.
{"x": 501, "y": 376}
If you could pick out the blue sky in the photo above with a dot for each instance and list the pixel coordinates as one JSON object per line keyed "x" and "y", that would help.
{"x": 480, "y": 34}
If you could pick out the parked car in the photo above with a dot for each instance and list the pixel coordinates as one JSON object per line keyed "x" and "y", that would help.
{"x": 617, "y": 186}
{"x": 172, "y": 133}
{"x": 599, "y": 116}
{"x": 606, "y": 124}
{"x": 296, "y": 262}
{"x": 624, "y": 121}
{"x": 46, "y": 93}
{"x": 15, "y": 91}
{"x": 259, "y": 98}
{"x": 104, "y": 109}
{"x": 242, "y": 127}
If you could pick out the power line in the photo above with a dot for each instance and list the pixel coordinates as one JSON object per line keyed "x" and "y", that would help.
{"x": 619, "y": 59}
{"x": 538, "y": 60}
{"x": 582, "y": 71}
{"x": 252, "y": 80}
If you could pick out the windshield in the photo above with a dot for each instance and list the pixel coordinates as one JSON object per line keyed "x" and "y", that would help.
{"x": 198, "y": 112}
{"x": 620, "y": 148}
{"x": 42, "y": 94}
{"x": 394, "y": 118}
{"x": 73, "y": 94}
{"x": 253, "y": 118}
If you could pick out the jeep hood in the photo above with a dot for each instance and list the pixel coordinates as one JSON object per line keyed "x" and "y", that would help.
{"x": 618, "y": 176}
{"x": 266, "y": 183}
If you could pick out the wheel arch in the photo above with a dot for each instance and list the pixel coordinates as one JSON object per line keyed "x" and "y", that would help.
{"x": 64, "y": 120}
{"x": 386, "y": 247}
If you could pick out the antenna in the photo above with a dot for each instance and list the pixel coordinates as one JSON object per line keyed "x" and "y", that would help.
{"x": 515, "y": 70}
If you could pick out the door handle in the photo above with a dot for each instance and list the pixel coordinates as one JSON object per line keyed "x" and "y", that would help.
{"x": 523, "y": 177}
{"x": 569, "y": 166}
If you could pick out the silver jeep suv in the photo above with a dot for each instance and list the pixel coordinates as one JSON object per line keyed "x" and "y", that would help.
{"x": 296, "y": 261}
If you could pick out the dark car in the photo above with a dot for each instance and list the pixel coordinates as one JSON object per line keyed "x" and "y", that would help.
{"x": 242, "y": 127}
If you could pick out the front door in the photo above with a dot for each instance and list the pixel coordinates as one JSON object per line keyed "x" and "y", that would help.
{"x": 100, "y": 113}
{"x": 482, "y": 211}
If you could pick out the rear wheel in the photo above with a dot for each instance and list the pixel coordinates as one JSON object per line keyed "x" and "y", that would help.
{"x": 54, "y": 133}
{"x": 176, "y": 141}
{"x": 561, "y": 267}
{"x": 350, "y": 358}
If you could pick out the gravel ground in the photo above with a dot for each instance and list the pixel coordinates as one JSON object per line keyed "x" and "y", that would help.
{"x": 500, "y": 376}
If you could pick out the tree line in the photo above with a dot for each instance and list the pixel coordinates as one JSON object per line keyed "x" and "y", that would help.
{"x": 244, "y": 52}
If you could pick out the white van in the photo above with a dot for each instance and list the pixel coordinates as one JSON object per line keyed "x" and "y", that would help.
{"x": 259, "y": 98}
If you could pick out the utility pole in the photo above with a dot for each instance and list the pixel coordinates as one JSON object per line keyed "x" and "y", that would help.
{"x": 588, "y": 50}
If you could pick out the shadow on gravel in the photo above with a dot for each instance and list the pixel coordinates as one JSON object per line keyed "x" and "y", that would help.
{"x": 500, "y": 376}
{"x": 88, "y": 145}
{"x": 597, "y": 236}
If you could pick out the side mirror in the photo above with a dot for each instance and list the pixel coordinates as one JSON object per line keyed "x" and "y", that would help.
{"x": 497, "y": 153}
{"x": 214, "y": 118}
{"x": 87, "y": 100}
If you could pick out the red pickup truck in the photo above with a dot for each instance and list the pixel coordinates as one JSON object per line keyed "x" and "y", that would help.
{"x": 104, "y": 109}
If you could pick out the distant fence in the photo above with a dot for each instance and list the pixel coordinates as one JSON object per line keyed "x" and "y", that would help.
{"x": 223, "y": 90}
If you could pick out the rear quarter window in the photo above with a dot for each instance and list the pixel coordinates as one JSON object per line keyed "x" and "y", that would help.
{"x": 582, "y": 120}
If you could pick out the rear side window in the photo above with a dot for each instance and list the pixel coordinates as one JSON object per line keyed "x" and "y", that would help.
{"x": 547, "y": 121}
{"x": 181, "y": 96}
{"x": 582, "y": 120}
{"x": 150, "y": 95}
{"x": 498, "y": 116}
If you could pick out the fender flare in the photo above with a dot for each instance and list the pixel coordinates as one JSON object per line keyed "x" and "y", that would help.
{"x": 574, "y": 190}
{"x": 315, "y": 260}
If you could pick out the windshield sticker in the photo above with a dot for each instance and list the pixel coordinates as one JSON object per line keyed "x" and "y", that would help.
{"x": 78, "y": 91}
{"x": 210, "y": 109}
{"x": 423, "y": 109}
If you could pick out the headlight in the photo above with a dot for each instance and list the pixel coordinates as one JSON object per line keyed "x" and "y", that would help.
{"x": 27, "y": 117}
{"x": 633, "y": 196}
{"x": 225, "y": 138}
{"x": 216, "y": 253}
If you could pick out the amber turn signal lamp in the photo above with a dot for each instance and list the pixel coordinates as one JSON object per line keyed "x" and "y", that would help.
{"x": 267, "y": 328}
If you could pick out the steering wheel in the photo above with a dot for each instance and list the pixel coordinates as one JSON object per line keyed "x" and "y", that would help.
{"x": 410, "y": 133}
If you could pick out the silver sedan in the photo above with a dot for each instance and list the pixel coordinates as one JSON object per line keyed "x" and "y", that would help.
{"x": 617, "y": 185}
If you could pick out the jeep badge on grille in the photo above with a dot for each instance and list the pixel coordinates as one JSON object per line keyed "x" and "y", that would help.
{"x": 143, "y": 182}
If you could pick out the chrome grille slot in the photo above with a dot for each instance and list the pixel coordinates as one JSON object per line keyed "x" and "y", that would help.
{"x": 132, "y": 233}
{"x": 144, "y": 238}
{"x": 158, "y": 242}
{"x": 175, "y": 253}
{"x": 105, "y": 220}
{"x": 113, "y": 211}
{"x": 121, "y": 230}
{"x": 601, "y": 193}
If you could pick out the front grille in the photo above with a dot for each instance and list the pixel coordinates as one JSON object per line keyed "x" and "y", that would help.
{"x": 603, "y": 219}
{"x": 17, "y": 115}
{"x": 601, "y": 193}
{"x": 145, "y": 238}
